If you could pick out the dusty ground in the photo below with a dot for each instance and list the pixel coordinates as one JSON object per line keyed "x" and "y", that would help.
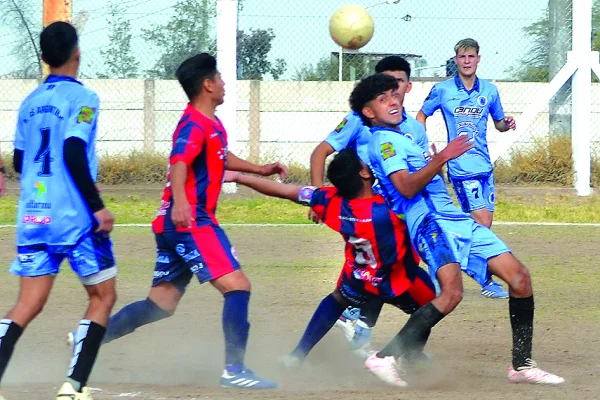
{"x": 291, "y": 270}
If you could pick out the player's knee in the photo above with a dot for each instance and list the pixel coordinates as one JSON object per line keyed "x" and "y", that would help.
{"x": 449, "y": 299}
{"x": 520, "y": 282}
{"x": 103, "y": 300}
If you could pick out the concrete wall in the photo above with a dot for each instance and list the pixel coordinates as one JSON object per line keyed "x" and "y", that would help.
{"x": 275, "y": 120}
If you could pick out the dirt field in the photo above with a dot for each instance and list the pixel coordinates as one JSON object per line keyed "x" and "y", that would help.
{"x": 291, "y": 270}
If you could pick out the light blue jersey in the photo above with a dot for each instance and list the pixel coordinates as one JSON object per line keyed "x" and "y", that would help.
{"x": 351, "y": 132}
{"x": 51, "y": 209}
{"x": 389, "y": 153}
{"x": 441, "y": 233}
{"x": 466, "y": 113}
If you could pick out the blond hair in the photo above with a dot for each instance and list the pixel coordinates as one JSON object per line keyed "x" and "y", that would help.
{"x": 466, "y": 44}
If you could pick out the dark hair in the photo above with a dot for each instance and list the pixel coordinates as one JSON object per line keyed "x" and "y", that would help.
{"x": 57, "y": 42}
{"x": 393, "y": 63}
{"x": 192, "y": 73}
{"x": 344, "y": 173}
{"x": 369, "y": 88}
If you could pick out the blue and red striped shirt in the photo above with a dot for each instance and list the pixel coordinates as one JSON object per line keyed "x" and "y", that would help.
{"x": 200, "y": 143}
{"x": 378, "y": 248}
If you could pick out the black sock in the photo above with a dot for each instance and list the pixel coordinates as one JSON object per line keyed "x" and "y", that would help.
{"x": 131, "y": 317}
{"x": 9, "y": 334}
{"x": 369, "y": 312}
{"x": 85, "y": 350}
{"x": 521, "y": 320}
{"x": 321, "y": 322}
{"x": 414, "y": 334}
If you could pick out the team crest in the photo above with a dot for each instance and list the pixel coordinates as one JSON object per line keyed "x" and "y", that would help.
{"x": 387, "y": 150}
{"x": 86, "y": 114}
{"x": 341, "y": 125}
{"x": 482, "y": 101}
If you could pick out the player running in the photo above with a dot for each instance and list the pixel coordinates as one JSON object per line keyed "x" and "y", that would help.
{"x": 189, "y": 240}
{"x": 2, "y": 177}
{"x": 446, "y": 238}
{"x": 465, "y": 102}
{"x": 61, "y": 214}
{"x": 380, "y": 261}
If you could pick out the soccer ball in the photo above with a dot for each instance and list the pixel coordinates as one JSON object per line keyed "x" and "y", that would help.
{"x": 351, "y": 27}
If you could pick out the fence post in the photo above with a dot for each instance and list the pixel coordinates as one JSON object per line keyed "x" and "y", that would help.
{"x": 149, "y": 116}
{"x": 254, "y": 122}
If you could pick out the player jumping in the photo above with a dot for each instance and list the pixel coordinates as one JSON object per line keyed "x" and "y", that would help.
{"x": 380, "y": 261}
{"x": 61, "y": 214}
{"x": 465, "y": 102}
{"x": 446, "y": 238}
{"x": 188, "y": 237}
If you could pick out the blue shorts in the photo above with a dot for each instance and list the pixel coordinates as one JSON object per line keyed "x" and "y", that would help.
{"x": 475, "y": 194}
{"x": 204, "y": 252}
{"x": 442, "y": 241}
{"x": 91, "y": 258}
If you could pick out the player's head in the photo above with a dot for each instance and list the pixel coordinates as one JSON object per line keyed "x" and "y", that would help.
{"x": 399, "y": 68}
{"x": 350, "y": 176}
{"x": 376, "y": 100}
{"x": 59, "y": 45}
{"x": 467, "y": 57}
{"x": 198, "y": 76}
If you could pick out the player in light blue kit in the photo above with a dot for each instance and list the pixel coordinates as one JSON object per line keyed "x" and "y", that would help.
{"x": 449, "y": 240}
{"x": 466, "y": 102}
{"x": 61, "y": 214}
{"x": 351, "y": 132}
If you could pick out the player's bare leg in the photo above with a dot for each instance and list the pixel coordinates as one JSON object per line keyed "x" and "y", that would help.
{"x": 33, "y": 295}
{"x": 521, "y": 310}
{"x": 490, "y": 289}
{"x": 88, "y": 338}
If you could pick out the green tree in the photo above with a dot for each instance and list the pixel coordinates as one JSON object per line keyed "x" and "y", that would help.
{"x": 355, "y": 66}
{"x": 118, "y": 57}
{"x": 252, "y": 55}
{"x": 185, "y": 34}
{"x": 19, "y": 15}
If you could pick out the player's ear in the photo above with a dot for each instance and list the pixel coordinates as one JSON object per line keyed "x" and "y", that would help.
{"x": 368, "y": 112}
{"x": 365, "y": 172}
{"x": 408, "y": 87}
{"x": 207, "y": 85}
{"x": 76, "y": 54}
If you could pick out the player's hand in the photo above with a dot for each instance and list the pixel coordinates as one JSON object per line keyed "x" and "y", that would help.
{"x": 274, "y": 168}
{"x": 2, "y": 184}
{"x": 181, "y": 215}
{"x": 510, "y": 122}
{"x": 105, "y": 220}
{"x": 231, "y": 176}
{"x": 314, "y": 217}
{"x": 456, "y": 148}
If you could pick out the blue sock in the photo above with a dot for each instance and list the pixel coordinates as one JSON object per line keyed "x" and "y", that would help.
{"x": 131, "y": 317}
{"x": 235, "y": 329}
{"x": 321, "y": 322}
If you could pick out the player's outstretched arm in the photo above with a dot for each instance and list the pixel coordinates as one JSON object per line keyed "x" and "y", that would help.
{"x": 234, "y": 163}
{"x": 265, "y": 186}
{"x": 317, "y": 163}
{"x": 410, "y": 184}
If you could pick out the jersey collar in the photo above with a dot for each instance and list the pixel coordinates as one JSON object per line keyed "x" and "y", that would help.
{"x": 61, "y": 78}
{"x": 384, "y": 128}
{"x": 460, "y": 86}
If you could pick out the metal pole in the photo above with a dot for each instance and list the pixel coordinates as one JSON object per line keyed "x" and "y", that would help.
{"x": 55, "y": 10}
{"x": 582, "y": 95}
{"x": 340, "y": 64}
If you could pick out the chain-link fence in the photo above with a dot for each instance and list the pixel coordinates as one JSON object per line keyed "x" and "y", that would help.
{"x": 289, "y": 94}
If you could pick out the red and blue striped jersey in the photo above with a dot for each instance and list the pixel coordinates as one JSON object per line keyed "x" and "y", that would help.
{"x": 378, "y": 247}
{"x": 201, "y": 143}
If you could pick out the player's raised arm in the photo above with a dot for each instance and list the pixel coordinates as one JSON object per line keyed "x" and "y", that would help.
{"x": 317, "y": 163}
{"x": 234, "y": 163}
{"x": 422, "y": 118}
{"x": 410, "y": 184}
{"x": 266, "y": 186}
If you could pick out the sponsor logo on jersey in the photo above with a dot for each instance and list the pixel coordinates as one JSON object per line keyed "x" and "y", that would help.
{"x": 37, "y": 219}
{"x": 387, "y": 150}
{"x": 363, "y": 274}
{"x": 86, "y": 114}
{"x": 471, "y": 112}
{"x": 482, "y": 101}
{"x": 40, "y": 189}
{"x": 341, "y": 125}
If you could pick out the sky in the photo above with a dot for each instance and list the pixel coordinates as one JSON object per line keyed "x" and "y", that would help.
{"x": 302, "y": 35}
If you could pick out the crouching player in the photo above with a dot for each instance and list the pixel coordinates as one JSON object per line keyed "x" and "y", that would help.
{"x": 380, "y": 261}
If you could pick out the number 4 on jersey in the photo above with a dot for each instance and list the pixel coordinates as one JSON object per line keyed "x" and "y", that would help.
{"x": 43, "y": 154}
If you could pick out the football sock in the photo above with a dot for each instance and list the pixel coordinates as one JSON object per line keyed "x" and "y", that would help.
{"x": 85, "y": 349}
{"x": 235, "y": 328}
{"x": 9, "y": 334}
{"x": 321, "y": 322}
{"x": 369, "y": 312}
{"x": 131, "y": 317}
{"x": 413, "y": 336}
{"x": 521, "y": 320}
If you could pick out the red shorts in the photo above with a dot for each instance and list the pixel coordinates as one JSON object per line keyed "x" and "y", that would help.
{"x": 204, "y": 252}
